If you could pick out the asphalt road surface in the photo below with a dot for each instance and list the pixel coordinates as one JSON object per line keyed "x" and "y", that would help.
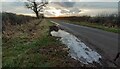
{"x": 105, "y": 42}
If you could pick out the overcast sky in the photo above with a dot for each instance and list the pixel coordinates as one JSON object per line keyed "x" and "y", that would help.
{"x": 65, "y": 0}
{"x": 69, "y": 7}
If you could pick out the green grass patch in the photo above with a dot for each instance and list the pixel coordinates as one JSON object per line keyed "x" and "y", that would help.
{"x": 23, "y": 51}
{"x": 24, "y": 54}
{"x": 33, "y": 47}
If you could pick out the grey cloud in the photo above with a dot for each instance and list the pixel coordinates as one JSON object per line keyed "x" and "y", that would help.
{"x": 75, "y": 10}
{"x": 68, "y": 4}
{"x": 63, "y": 11}
{"x": 97, "y": 5}
{"x": 15, "y": 7}
{"x": 65, "y": 4}
{"x": 65, "y": 7}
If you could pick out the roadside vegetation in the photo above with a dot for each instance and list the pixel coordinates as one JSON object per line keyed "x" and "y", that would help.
{"x": 105, "y": 22}
{"x": 26, "y": 42}
{"x": 29, "y": 45}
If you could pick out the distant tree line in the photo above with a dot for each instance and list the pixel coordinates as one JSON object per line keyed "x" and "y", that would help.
{"x": 111, "y": 20}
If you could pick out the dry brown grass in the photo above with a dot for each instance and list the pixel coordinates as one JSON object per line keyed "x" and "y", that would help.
{"x": 29, "y": 45}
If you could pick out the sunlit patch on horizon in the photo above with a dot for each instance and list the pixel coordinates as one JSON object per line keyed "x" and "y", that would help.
{"x": 26, "y": 14}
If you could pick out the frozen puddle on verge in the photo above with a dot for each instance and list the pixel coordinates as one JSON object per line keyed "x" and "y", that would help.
{"x": 78, "y": 50}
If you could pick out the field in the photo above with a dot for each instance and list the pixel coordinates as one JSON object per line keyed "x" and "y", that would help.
{"x": 30, "y": 45}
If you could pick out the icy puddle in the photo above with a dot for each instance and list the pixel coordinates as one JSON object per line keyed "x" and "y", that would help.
{"x": 78, "y": 50}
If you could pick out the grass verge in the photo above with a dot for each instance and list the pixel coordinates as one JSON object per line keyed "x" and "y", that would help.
{"x": 29, "y": 45}
{"x": 98, "y": 26}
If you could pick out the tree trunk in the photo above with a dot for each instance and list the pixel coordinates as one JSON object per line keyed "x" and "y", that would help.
{"x": 35, "y": 10}
{"x": 37, "y": 15}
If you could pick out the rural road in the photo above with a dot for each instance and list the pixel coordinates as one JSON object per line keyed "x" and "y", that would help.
{"x": 106, "y": 43}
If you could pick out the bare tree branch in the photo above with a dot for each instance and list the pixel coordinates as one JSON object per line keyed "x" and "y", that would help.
{"x": 36, "y": 6}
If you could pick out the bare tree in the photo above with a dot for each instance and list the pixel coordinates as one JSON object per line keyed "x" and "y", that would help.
{"x": 35, "y": 6}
